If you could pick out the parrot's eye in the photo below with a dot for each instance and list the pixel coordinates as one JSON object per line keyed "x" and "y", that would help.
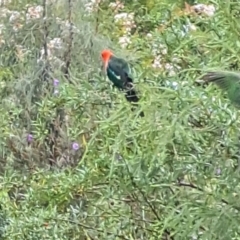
{"x": 102, "y": 55}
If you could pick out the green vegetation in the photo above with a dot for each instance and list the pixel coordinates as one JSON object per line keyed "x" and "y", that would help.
{"x": 76, "y": 162}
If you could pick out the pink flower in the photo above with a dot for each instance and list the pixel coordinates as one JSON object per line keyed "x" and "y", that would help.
{"x": 75, "y": 146}
{"x": 29, "y": 138}
{"x": 55, "y": 82}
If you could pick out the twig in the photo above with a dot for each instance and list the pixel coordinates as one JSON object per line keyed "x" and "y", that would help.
{"x": 45, "y": 45}
{"x": 70, "y": 41}
{"x": 168, "y": 234}
{"x": 190, "y": 185}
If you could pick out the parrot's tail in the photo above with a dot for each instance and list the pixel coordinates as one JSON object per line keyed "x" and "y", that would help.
{"x": 213, "y": 77}
{"x": 131, "y": 94}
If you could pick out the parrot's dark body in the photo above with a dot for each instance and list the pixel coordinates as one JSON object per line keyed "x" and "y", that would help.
{"x": 118, "y": 72}
{"x": 228, "y": 82}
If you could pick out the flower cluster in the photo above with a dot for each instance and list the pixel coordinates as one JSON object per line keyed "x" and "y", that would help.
{"x": 4, "y": 12}
{"x": 55, "y": 43}
{"x": 159, "y": 51}
{"x": 207, "y": 10}
{"x": 5, "y": 2}
{"x": 188, "y": 28}
{"x": 20, "y": 51}
{"x": 54, "y": 46}
{"x": 66, "y": 27}
{"x": 171, "y": 68}
{"x": 126, "y": 22}
{"x": 15, "y": 15}
{"x": 200, "y": 9}
{"x": 34, "y": 12}
{"x": 124, "y": 41}
{"x": 2, "y": 28}
{"x": 92, "y": 6}
{"x": 116, "y": 6}
{"x": 15, "y": 18}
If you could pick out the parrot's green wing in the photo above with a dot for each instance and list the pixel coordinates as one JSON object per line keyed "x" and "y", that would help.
{"x": 227, "y": 81}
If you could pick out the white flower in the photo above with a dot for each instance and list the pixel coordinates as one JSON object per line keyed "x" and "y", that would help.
{"x": 159, "y": 49}
{"x": 92, "y": 5}
{"x": 124, "y": 41}
{"x": 112, "y": 5}
{"x": 55, "y": 43}
{"x": 21, "y": 51}
{"x": 126, "y": 31}
{"x": 157, "y": 62}
{"x": 34, "y": 12}
{"x": 54, "y": 47}
{"x": 149, "y": 35}
{"x": 171, "y": 69}
{"x": 192, "y": 27}
{"x": 66, "y": 27}
{"x": 120, "y": 16}
{"x": 168, "y": 66}
{"x": 188, "y": 27}
{"x": 14, "y": 16}
{"x": 89, "y": 7}
{"x": 126, "y": 17}
{"x": 173, "y": 85}
{"x": 2, "y": 41}
{"x": 172, "y": 73}
{"x": 175, "y": 59}
{"x": 49, "y": 53}
{"x": 199, "y": 7}
{"x": 58, "y": 20}
{"x": 126, "y": 20}
{"x": 116, "y": 6}
{"x": 164, "y": 51}
{"x": 4, "y": 12}
{"x": 208, "y": 10}
{"x": 5, "y": 2}
{"x": 2, "y": 28}
{"x": 17, "y": 26}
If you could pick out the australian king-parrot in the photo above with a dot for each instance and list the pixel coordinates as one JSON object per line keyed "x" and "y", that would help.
{"x": 228, "y": 81}
{"x": 118, "y": 72}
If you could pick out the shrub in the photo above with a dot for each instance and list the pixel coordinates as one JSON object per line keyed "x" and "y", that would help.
{"x": 76, "y": 162}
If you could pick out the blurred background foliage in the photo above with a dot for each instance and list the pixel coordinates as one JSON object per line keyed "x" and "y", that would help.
{"x": 76, "y": 162}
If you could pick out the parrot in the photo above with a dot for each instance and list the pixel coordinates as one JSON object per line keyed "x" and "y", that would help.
{"x": 227, "y": 81}
{"x": 118, "y": 72}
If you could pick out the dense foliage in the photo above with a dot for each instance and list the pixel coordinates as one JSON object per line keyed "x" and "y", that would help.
{"x": 76, "y": 162}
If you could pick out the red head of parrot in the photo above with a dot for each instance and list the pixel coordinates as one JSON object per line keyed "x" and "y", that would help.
{"x": 106, "y": 55}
